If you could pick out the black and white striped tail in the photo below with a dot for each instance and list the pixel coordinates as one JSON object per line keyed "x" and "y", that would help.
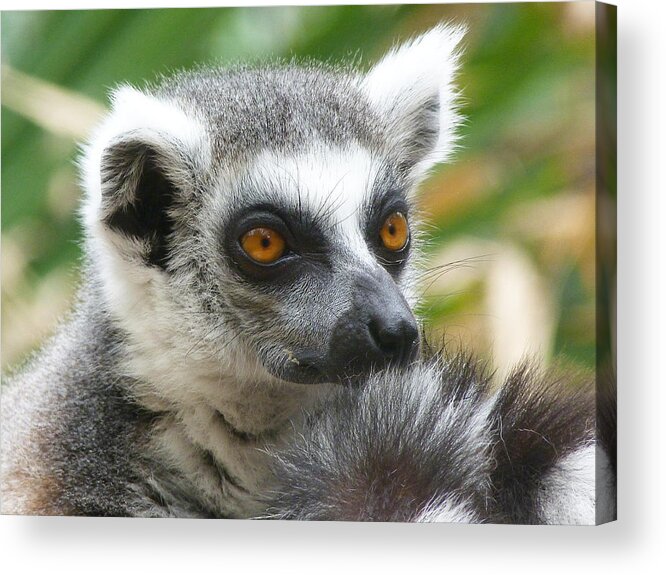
{"x": 437, "y": 444}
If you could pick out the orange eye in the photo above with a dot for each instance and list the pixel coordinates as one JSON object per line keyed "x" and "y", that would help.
{"x": 263, "y": 245}
{"x": 395, "y": 232}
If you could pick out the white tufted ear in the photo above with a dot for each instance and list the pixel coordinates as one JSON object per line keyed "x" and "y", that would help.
{"x": 140, "y": 162}
{"x": 412, "y": 90}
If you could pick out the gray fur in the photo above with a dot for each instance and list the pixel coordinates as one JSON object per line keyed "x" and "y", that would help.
{"x": 435, "y": 443}
{"x": 75, "y": 442}
{"x": 248, "y": 110}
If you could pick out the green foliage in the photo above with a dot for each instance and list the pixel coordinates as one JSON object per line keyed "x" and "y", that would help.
{"x": 528, "y": 96}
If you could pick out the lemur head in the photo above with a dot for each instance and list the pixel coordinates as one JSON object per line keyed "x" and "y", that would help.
{"x": 262, "y": 218}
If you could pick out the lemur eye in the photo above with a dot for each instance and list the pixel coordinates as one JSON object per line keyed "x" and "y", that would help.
{"x": 263, "y": 245}
{"x": 395, "y": 232}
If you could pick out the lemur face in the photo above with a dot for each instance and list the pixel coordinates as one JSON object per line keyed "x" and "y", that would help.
{"x": 315, "y": 246}
{"x": 266, "y": 215}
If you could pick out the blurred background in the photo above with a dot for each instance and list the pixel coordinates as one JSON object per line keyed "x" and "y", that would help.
{"x": 512, "y": 234}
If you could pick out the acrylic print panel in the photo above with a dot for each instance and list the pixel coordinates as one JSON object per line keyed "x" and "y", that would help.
{"x": 312, "y": 263}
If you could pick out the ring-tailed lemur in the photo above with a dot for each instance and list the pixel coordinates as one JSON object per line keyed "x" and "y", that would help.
{"x": 249, "y": 232}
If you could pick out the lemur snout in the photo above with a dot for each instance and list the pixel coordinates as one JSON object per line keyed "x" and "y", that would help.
{"x": 397, "y": 338}
{"x": 378, "y": 330}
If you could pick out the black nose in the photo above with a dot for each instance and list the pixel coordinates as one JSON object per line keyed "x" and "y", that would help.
{"x": 396, "y": 338}
{"x": 379, "y": 329}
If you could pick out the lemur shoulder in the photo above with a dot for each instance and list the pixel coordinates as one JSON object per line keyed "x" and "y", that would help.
{"x": 250, "y": 244}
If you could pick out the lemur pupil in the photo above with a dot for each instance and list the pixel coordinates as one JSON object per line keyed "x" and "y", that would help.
{"x": 265, "y": 242}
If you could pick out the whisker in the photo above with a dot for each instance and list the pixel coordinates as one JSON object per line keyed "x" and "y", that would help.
{"x": 463, "y": 262}
{"x": 202, "y": 339}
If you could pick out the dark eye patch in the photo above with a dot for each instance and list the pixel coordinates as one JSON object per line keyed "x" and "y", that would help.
{"x": 306, "y": 242}
{"x": 388, "y": 197}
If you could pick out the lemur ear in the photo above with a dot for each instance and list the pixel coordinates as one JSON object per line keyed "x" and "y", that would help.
{"x": 412, "y": 90}
{"x": 140, "y": 165}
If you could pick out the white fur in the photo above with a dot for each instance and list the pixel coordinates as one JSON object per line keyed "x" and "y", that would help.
{"x": 136, "y": 292}
{"x": 448, "y": 511}
{"x": 339, "y": 178}
{"x": 409, "y": 76}
{"x": 567, "y": 494}
{"x": 148, "y": 118}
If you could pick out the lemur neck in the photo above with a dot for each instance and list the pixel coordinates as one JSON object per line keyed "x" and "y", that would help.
{"x": 213, "y": 419}
{"x": 217, "y": 426}
{"x": 214, "y": 415}
{"x": 248, "y": 402}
